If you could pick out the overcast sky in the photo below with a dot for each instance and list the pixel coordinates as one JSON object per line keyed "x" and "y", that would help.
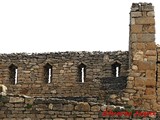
{"x": 67, "y": 25}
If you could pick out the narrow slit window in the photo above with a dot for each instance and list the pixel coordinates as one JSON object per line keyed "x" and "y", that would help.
{"x": 13, "y": 74}
{"x": 82, "y": 73}
{"x": 48, "y": 73}
{"x": 16, "y": 76}
{"x": 116, "y": 69}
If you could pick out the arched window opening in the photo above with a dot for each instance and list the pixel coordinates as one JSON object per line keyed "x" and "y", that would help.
{"x": 13, "y": 74}
{"x": 116, "y": 69}
{"x": 48, "y": 73}
{"x": 82, "y": 72}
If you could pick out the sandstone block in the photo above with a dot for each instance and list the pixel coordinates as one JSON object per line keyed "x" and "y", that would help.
{"x": 140, "y": 46}
{"x": 130, "y": 91}
{"x": 148, "y": 29}
{"x": 68, "y": 107}
{"x": 136, "y": 28}
{"x": 113, "y": 96}
{"x": 150, "y": 46}
{"x": 103, "y": 108}
{"x": 150, "y": 83}
{"x": 29, "y": 100}
{"x": 136, "y": 14}
{"x": 3, "y": 90}
{"x": 150, "y": 14}
{"x": 82, "y": 106}
{"x": 150, "y": 74}
{"x": 134, "y": 67}
{"x": 16, "y": 100}
{"x": 150, "y": 97}
{"x": 125, "y": 99}
{"x": 147, "y": 8}
{"x": 95, "y": 108}
{"x": 130, "y": 78}
{"x": 144, "y": 20}
{"x": 145, "y": 65}
{"x": 150, "y": 91}
{"x": 139, "y": 82}
{"x": 147, "y": 106}
{"x": 138, "y": 56}
{"x": 151, "y": 53}
{"x": 132, "y": 21}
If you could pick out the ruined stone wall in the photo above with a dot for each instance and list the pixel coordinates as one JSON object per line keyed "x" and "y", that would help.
{"x": 143, "y": 85}
{"x": 65, "y": 76}
{"x": 16, "y": 107}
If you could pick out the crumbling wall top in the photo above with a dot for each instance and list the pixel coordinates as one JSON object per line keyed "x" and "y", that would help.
{"x": 142, "y": 7}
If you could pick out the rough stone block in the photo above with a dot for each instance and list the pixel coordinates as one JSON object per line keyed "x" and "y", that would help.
{"x": 150, "y": 97}
{"x": 139, "y": 82}
{"x": 150, "y": 14}
{"x": 150, "y": 91}
{"x": 136, "y": 14}
{"x": 95, "y": 108}
{"x": 150, "y": 74}
{"x": 148, "y": 29}
{"x": 144, "y": 20}
{"x": 150, "y": 83}
{"x": 16, "y": 100}
{"x": 132, "y": 22}
{"x": 147, "y": 8}
{"x": 151, "y": 53}
{"x": 68, "y": 107}
{"x": 82, "y": 106}
{"x": 138, "y": 56}
{"x": 140, "y": 46}
{"x": 136, "y": 29}
{"x": 150, "y": 46}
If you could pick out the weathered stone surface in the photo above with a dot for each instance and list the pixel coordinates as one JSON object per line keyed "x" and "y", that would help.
{"x": 144, "y": 21}
{"x": 68, "y": 107}
{"x": 150, "y": 91}
{"x": 134, "y": 67}
{"x": 82, "y": 106}
{"x": 132, "y": 21}
{"x": 136, "y": 14}
{"x": 148, "y": 29}
{"x": 151, "y": 53}
{"x": 150, "y": 14}
{"x": 16, "y": 100}
{"x": 3, "y": 90}
{"x": 95, "y": 108}
{"x": 136, "y": 29}
{"x": 138, "y": 56}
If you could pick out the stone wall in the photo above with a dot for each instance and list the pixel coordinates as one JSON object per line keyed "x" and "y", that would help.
{"x": 142, "y": 88}
{"x": 65, "y": 76}
{"x": 16, "y": 107}
{"x": 137, "y": 82}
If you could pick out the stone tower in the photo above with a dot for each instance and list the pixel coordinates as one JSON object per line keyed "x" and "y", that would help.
{"x": 141, "y": 87}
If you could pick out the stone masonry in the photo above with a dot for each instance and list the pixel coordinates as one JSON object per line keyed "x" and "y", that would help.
{"x": 79, "y": 85}
{"x": 65, "y": 73}
{"x": 142, "y": 88}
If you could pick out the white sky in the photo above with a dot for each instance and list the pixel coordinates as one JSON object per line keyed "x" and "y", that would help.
{"x": 67, "y": 25}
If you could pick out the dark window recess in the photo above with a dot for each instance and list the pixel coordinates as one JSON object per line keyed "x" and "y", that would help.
{"x": 48, "y": 73}
{"x": 82, "y": 72}
{"x": 13, "y": 73}
{"x": 116, "y": 67}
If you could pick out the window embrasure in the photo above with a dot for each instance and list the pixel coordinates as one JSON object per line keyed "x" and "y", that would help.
{"x": 82, "y": 72}
{"x": 13, "y": 71}
{"x": 48, "y": 73}
{"x": 116, "y": 69}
